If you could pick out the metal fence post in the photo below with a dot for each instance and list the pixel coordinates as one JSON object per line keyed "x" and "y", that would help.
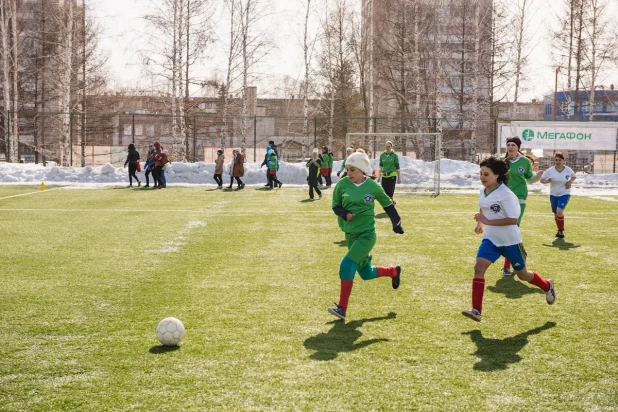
{"x": 254, "y": 138}
{"x": 133, "y": 128}
{"x": 8, "y": 136}
{"x": 71, "y": 139}
{"x": 194, "y": 136}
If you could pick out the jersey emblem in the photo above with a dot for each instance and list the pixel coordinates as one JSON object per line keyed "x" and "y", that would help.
{"x": 495, "y": 208}
{"x": 367, "y": 198}
{"x": 520, "y": 169}
{"x": 567, "y": 177}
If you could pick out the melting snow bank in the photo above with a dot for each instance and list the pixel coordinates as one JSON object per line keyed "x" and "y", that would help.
{"x": 414, "y": 174}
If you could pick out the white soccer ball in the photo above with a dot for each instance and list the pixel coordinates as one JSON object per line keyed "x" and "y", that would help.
{"x": 170, "y": 331}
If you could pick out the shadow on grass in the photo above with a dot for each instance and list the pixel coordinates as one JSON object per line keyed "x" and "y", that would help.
{"x": 381, "y": 216}
{"x": 562, "y": 244}
{"x": 497, "y": 354}
{"x": 307, "y": 200}
{"x": 341, "y": 338}
{"x": 159, "y": 349}
{"x": 341, "y": 243}
{"x": 513, "y": 288}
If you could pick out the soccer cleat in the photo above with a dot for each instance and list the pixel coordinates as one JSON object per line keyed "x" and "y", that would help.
{"x": 472, "y": 314}
{"x": 280, "y": 184}
{"x": 550, "y": 295}
{"x": 507, "y": 272}
{"x": 337, "y": 311}
{"x": 560, "y": 234}
{"x": 396, "y": 280}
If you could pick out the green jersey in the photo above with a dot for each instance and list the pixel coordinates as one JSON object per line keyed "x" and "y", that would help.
{"x": 273, "y": 163}
{"x": 520, "y": 170}
{"x": 389, "y": 162}
{"x": 360, "y": 201}
{"x": 327, "y": 161}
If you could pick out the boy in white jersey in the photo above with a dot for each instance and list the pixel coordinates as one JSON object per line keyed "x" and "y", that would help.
{"x": 499, "y": 212}
{"x": 560, "y": 178}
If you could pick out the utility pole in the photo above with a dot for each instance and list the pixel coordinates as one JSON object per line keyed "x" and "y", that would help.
{"x": 556, "y": 94}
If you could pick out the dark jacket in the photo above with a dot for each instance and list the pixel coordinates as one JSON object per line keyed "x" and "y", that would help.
{"x": 133, "y": 156}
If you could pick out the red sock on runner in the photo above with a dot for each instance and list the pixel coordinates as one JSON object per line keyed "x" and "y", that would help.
{"x": 507, "y": 264}
{"x": 559, "y": 222}
{"x": 390, "y": 271}
{"x": 478, "y": 289}
{"x": 346, "y": 291}
{"x": 538, "y": 281}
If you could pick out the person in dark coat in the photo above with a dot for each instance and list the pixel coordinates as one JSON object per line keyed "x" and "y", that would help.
{"x": 238, "y": 169}
{"x": 132, "y": 160}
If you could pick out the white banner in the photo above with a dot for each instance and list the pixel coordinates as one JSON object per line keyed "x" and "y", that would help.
{"x": 561, "y": 136}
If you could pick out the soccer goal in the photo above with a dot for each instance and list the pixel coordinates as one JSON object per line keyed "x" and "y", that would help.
{"x": 426, "y": 148}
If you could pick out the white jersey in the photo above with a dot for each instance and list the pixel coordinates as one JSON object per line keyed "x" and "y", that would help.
{"x": 500, "y": 204}
{"x": 558, "y": 180}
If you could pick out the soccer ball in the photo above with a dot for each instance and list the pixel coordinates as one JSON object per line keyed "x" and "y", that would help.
{"x": 170, "y": 331}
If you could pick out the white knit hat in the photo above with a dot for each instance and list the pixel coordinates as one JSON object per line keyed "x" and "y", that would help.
{"x": 358, "y": 160}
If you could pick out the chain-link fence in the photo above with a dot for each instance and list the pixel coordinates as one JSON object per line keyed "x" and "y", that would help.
{"x": 96, "y": 139}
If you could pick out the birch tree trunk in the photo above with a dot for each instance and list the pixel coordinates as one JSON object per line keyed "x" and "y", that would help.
{"x": 179, "y": 92}
{"x": 16, "y": 69}
{"x": 370, "y": 62}
{"x": 475, "y": 78}
{"x": 65, "y": 100}
{"x": 306, "y": 83}
{"x": 174, "y": 92}
{"x": 6, "y": 87}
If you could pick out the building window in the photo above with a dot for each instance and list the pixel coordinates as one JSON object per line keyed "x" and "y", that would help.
{"x": 150, "y": 130}
{"x": 127, "y": 130}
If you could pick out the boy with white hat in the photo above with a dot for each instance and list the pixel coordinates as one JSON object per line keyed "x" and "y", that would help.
{"x": 353, "y": 202}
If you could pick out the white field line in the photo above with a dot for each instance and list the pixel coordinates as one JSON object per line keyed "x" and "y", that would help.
{"x": 30, "y": 193}
{"x": 180, "y": 240}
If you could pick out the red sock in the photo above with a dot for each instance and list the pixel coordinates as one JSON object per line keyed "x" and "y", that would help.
{"x": 478, "y": 289}
{"x": 507, "y": 264}
{"x": 560, "y": 222}
{"x": 346, "y": 291}
{"x": 390, "y": 271}
{"x": 538, "y": 281}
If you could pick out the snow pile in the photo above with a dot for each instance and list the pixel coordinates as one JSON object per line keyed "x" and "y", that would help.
{"x": 414, "y": 174}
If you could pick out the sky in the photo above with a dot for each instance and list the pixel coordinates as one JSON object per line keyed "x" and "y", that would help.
{"x": 122, "y": 28}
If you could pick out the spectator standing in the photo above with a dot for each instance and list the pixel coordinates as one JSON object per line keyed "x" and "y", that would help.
{"x": 273, "y": 166}
{"x": 149, "y": 166}
{"x": 326, "y": 169}
{"x": 219, "y": 169}
{"x": 132, "y": 160}
{"x": 314, "y": 170}
{"x": 271, "y": 146}
{"x": 238, "y": 169}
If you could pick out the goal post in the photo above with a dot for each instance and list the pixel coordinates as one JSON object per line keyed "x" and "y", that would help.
{"x": 416, "y": 146}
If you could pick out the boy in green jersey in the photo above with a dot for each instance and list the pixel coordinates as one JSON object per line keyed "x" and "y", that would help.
{"x": 519, "y": 176}
{"x": 353, "y": 202}
{"x": 389, "y": 170}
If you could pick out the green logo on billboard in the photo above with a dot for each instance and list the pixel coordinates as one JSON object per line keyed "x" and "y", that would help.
{"x": 528, "y": 135}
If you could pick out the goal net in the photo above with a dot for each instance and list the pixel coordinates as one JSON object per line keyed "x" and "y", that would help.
{"x": 420, "y": 152}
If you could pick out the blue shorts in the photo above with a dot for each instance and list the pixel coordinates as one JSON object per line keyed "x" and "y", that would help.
{"x": 559, "y": 202}
{"x": 516, "y": 254}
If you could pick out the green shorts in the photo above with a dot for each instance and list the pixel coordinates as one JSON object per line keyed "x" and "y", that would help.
{"x": 359, "y": 247}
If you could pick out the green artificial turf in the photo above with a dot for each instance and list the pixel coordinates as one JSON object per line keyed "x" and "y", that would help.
{"x": 86, "y": 275}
